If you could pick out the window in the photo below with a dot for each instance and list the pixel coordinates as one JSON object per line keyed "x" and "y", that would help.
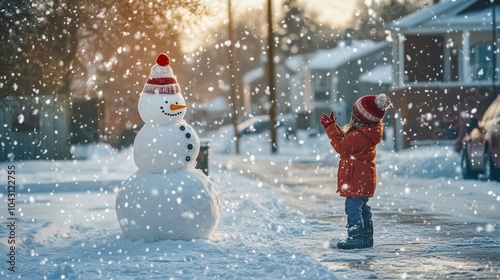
{"x": 481, "y": 62}
{"x": 25, "y": 122}
{"x": 321, "y": 84}
{"x": 423, "y": 58}
{"x": 480, "y": 53}
{"x": 453, "y": 52}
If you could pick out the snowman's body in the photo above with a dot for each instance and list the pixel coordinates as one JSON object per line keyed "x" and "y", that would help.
{"x": 165, "y": 148}
{"x": 167, "y": 198}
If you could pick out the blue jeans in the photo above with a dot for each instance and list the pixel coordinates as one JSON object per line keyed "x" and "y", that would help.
{"x": 357, "y": 211}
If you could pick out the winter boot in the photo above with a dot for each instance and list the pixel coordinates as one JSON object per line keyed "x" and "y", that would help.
{"x": 354, "y": 238}
{"x": 368, "y": 234}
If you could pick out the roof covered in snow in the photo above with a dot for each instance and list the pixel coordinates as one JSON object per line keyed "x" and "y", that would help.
{"x": 343, "y": 53}
{"x": 381, "y": 74}
{"x": 253, "y": 75}
{"x": 296, "y": 63}
{"x": 446, "y": 15}
{"x": 219, "y": 103}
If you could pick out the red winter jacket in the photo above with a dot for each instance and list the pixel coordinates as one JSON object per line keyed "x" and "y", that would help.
{"x": 356, "y": 176}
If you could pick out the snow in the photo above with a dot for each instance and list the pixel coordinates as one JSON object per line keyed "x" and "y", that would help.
{"x": 270, "y": 227}
{"x": 333, "y": 58}
{"x": 444, "y": 15}
{"x": 381, "y": 74}
{"x": 429, "y": 14}
{"x": 252, "y": 240}
{"x": 217, "y": 104}
{"x": 180, "y": 205}
{"x": 253, "y": 75}
{"x": 429, "y": 162}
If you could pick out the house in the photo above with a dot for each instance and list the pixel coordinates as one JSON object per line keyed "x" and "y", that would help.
{"x": 335, "y": 76}
{"x": 311, "y": 84}
{"x": 444, "y": 64}
{"x": 299, "y": 86}
{"x": 34, "y": 127}
{"x": 377, "y": 79}
{"x": 45, "y": 127}
{"x": 255, "y": 92}
{"x": 209, "y": 115}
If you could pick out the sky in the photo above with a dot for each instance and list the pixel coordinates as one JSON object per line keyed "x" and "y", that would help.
{"x": 334, "y": 12}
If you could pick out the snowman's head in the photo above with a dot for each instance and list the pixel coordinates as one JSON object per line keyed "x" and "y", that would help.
{"x": 161, "y": 101}
{"x": 161, "y": 108}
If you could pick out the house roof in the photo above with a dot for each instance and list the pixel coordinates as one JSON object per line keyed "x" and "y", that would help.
{"x": 294, "y": 63}
{"x": 343, "y": 53}
{"x": 380, "y": 74}
{"x": 253, "y": 75}
{"x": 216, "y": 105}
{"x": 450, "y": 14}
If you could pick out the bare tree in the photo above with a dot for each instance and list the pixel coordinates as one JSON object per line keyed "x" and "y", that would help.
{"x": 18, "y": 32}
{"x": 297, "y": 29}
{"x": 47, "y": 43}
{"x": 138, "y": 32}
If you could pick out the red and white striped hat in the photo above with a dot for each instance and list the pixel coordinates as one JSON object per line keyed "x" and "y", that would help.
{"x": 371, "y": 109}
{"x": 162, "y": 79}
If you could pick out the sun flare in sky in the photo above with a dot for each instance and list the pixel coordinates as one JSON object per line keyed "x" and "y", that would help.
{"x": 336, "y": 13}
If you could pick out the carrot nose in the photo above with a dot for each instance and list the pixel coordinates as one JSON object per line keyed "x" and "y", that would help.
{"x": 174, "y": 107}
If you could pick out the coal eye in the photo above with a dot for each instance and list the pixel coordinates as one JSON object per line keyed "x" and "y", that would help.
{"x": 166, "y": 102}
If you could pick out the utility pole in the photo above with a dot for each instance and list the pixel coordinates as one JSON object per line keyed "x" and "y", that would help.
{"x": 233, "y": 80}
{"x": 271, "y": 77}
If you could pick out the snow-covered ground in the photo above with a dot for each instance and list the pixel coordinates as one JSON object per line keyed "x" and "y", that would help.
{"x": 279, "y": 212}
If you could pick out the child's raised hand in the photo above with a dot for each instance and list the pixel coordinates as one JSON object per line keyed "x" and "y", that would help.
{"x": 326, "y": 121}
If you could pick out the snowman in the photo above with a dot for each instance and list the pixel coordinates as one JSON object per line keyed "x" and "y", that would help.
{"x": 166, "y": 198}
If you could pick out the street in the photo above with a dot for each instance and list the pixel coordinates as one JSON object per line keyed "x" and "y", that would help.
{"x": 414, "y": 238}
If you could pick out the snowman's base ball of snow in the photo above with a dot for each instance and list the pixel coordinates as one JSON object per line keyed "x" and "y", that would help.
{"x": 178, "y": 205}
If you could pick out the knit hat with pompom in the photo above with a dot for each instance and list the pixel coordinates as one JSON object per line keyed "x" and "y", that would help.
{"x": 371, "y": 109}
{"x": 162, "y": 79}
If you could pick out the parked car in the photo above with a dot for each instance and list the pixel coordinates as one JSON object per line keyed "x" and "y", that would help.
{"x": 481, "y": 147}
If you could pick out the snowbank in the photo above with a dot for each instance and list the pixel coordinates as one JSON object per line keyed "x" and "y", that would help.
{"x": 424, "y": 162}
{"x": 255, "y": 240}
{"x": 74, "y": 233}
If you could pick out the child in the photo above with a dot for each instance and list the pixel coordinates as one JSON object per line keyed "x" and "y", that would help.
{"x": 356, "y": 175}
